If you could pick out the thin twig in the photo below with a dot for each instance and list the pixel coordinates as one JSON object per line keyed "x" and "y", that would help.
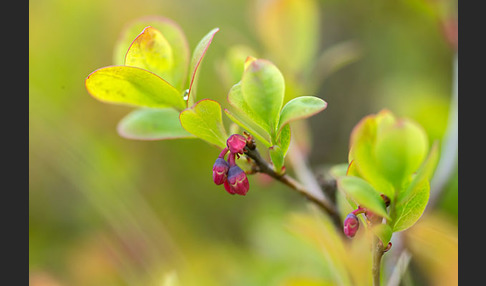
{"x": 263, "y": 166}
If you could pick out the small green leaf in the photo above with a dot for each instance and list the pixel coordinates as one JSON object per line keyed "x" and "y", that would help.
{"x": 151, "y": 51}
{"x": 409, "y": 210}
{"x": 171, "y": 32}
{"x": 399, "y": 150}
{"x": 383, "y": 232}
{"x": 197, "y": 57}
{"x": 262, "y": 87}
{"x": 363, "y": 194}
{"x": 277, "y": 157}
{"x": 132, "y": 86}
{"x": 361, "y": 153}
{"x": 243, "y": 115}
{"x": 152, "y": 124}
{"x": 204, "y": 120}
{"x": 239, "y": 119}
{"x": 412, "y": 201}
{"x": 299, "y": 108}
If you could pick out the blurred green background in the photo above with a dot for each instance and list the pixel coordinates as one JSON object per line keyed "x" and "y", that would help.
{"x": 105, "y": 210}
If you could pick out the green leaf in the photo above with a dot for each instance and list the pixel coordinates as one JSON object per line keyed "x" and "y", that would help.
{"x": 204, "y": 120}
{"x": 262, "y": 87}
{"x": 171, "y": 32}
{"x": 239, "y": 119}
{"x": 299, "y": 108}
{"x": 409, "y": 210}
{"x": 412, "y": 201}
{"x": 363, "y": 194}
{"x": 277, "y": 156}
{"x": 197, "y": 57}
{"x": 243, "y": 115}
{"x": 383, "y": 232}
{"x": 132, "y": 86}
{"x": 361, "y": 153}
{"x": 152, "y": 124}
{"x": 284, "y": 139}
{"x": 399, "y": 150}
{"x": 151, "y": 51}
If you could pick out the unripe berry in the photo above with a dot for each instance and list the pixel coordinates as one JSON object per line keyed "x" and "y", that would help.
{"x": 237, "y": 180}
{"x": 351, "y": 225}
{"x": 220, "y": 171}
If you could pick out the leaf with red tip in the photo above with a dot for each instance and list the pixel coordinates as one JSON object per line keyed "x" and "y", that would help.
{"x": 171, "y": 32}
{"x": 263, "y": 88}
{"x": 132, "y": 86}
{"x": 197, "y": 57}
{"x": 151, "y": 51}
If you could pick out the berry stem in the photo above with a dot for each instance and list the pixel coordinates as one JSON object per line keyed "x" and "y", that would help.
{"x": 223, "y": 153}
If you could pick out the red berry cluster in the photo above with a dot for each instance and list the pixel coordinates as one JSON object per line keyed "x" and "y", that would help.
{"x": 227, "y": 172}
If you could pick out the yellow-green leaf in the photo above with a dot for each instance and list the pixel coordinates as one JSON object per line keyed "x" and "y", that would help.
{"x": 204, "y": 120}
{"x": 263, "y": 87}
{"x": 132, "y": 86}
{"x": 151, "y": 51}
{"x": 171, "y": 32}
{"x": 243, "y": 115}
{"x": 363, "y": 194}
{"x": 152, "y": 124}
{"x": 399, "y": 150}
{"x": 197, "y": 57}
{"x": 411, "y": 202}
{"x": 299, "y": 108}
{"x": 242, "y": 121}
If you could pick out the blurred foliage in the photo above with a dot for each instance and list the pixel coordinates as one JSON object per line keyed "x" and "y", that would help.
{"x": 105, "y": 210}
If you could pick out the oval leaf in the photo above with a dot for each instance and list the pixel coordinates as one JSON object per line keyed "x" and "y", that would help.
{"x": 363, "y": 194}
{"x": 299, "y": 108}
{"x": 132, "y": 86}
{"x": 243, "y": 115}
{"x": 152, "y": 124}
{"x": 263, "y": 87}
{"x": 171, "y": 32}
{"x": 399, "y": 150}
{"x": 240, "y": 120}
{"x": 151, "y": 51}
{"x": 197, "y": 57}
{"x": 204, "y": 120}
{"x": 412, "y": 202}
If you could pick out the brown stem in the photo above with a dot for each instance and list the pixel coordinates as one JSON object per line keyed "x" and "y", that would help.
{"x": 263, "y": 166}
